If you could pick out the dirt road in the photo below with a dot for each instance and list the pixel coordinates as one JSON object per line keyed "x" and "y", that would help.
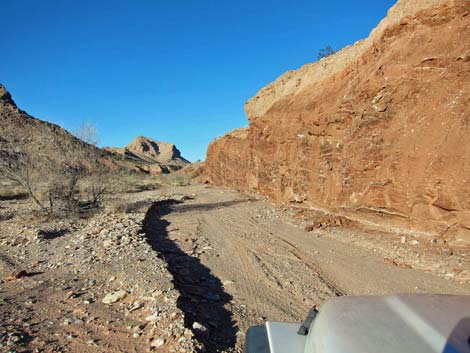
{"x": 195, "y": 266}
{"x": 237, "y": 262}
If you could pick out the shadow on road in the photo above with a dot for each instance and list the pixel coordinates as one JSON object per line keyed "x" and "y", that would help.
{"x": 52, "y": 234}
{"x": 207, "y": 206}
{"x": 202, "y": 295}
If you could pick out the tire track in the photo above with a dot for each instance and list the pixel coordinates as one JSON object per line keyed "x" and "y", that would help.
{"x": 247, "y": 235}
{"x": 247, "y": 270}
{"x": 294, "y": 250}
{"x": 312, "y": 266}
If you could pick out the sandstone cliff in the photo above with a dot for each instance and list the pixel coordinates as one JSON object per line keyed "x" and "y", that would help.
{"x": 378, "y": 131}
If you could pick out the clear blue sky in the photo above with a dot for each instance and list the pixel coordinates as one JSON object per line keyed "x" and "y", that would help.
{"x": 174, "y": 70}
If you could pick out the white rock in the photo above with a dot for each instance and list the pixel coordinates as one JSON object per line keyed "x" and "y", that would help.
{"x": 114, "y": 297}
{"x": 153, "y": 317}
{"x": 135, "y": 306}
{"x": 157, "y": 342}
{"x": 199, "y": 327}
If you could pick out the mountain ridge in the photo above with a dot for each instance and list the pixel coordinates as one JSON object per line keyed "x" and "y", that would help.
{"x": 158, "y": 154}
{"x": 47, "y": 143}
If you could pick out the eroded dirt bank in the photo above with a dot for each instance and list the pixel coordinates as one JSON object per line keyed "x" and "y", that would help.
{"x": 377, "y": 132}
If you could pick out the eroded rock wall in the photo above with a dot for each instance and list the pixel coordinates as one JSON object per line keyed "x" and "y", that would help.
{"x": 379, "y": 131}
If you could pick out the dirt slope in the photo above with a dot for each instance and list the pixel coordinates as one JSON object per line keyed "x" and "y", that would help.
{"x": 378, "y": 132}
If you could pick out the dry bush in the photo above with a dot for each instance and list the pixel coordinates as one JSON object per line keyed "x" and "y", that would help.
{"x": 124, "y": 206}
{"x": 18, "y": 167}
{"x": 325, "y": 52}
{"x": 87, "y": 132}
{"x": 53, "y": 185}
{"x": 92, "y": 190}
{"x": 174, "y": 179}
{"x": 131, "y": 182}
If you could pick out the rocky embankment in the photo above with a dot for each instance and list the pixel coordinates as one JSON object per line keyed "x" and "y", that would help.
{"x": 91, "y": 285}
{"x": 378, "y": 132}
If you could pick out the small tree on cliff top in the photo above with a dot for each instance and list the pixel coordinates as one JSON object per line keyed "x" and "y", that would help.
{"x": 327, "y": 51}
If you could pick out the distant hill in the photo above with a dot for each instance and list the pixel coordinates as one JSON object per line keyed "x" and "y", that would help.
{"x": 49, "y": 145}
{"x": 154, "y": 153}
{"x": 46, "y": 143}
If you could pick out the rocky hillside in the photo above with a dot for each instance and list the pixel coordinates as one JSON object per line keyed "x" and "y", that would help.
{"x": 159, "y": 156}
{"x": 48, "y": 144}
{"x": 378, "y": 132}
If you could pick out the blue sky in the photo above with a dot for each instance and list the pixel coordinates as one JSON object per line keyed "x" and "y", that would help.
{"x": 176, "y": 71}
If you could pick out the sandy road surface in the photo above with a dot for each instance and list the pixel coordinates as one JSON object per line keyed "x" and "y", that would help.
{"x": 197, "y": 271}
{"x": 236, "y": 262}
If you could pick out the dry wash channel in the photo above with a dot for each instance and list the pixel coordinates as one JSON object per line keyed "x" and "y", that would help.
{"x": 237, "y": 262}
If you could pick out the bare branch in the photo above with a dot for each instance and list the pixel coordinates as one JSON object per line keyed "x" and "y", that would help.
{"x": 87, "y": 132}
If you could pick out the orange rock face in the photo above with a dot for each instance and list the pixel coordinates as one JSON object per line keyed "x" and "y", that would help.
{"x": 379, "y": 132}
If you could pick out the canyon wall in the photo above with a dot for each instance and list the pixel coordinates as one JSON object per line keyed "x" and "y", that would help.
{"x": 378, "y": 132}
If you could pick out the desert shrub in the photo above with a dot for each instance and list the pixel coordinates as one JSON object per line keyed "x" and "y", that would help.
{"x": 131, "y": 182}
{"x": 327, "y": 51}
{"x": 53, "y": 185}
{"x": 87, "y": 132}
{"x": 124, "y": 206}
{"x": 174, "y": 179}
{"x": 92, "y": 191}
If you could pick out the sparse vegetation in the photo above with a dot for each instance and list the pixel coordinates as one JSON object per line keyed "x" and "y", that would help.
{"x": 68, "y": 176}
{"x": 130, "y": 182}
{"x": 65, "y": 177}
{"x": 327, "y": 51}
{"x": 174, "y": 179}
{"x": 87, "y": 132}
{"x": 125, "y": 206}
{"x": 55, "y": 188}
{"x": 126, "y": 182}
